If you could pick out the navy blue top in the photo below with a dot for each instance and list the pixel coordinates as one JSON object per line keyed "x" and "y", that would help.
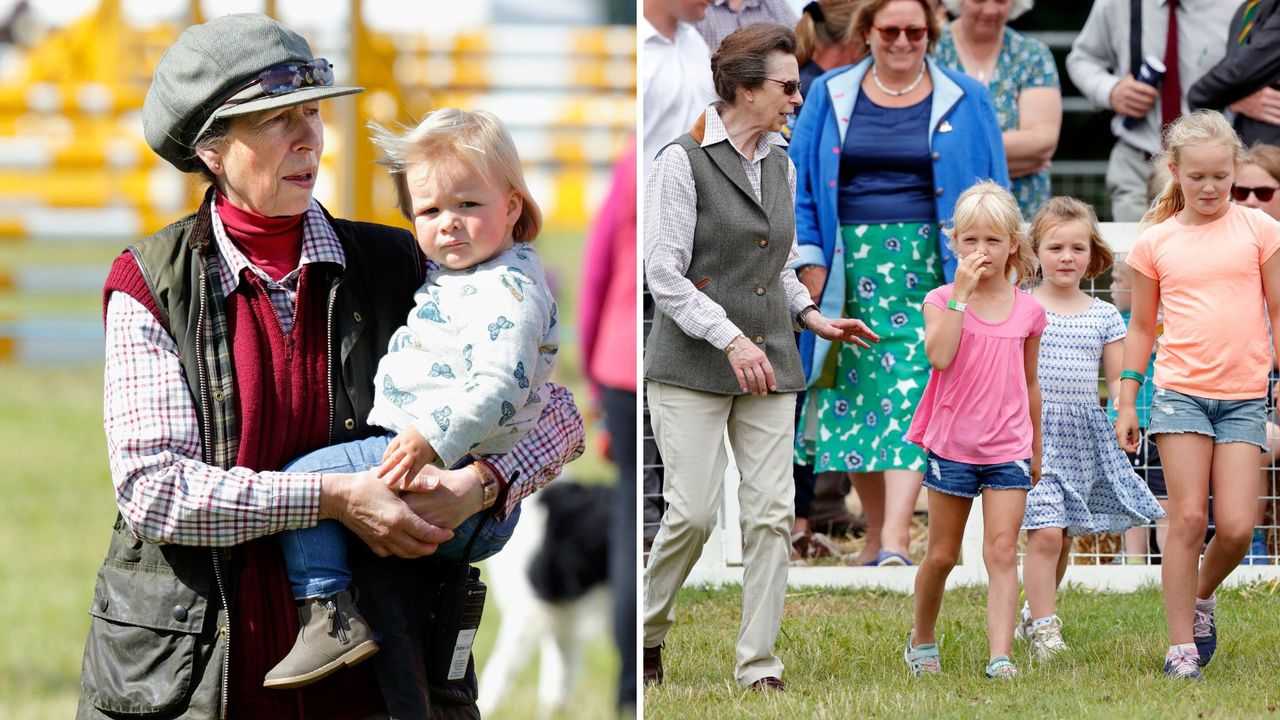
{"x": 886, "y": 174}
{"x": 808, "y": 74}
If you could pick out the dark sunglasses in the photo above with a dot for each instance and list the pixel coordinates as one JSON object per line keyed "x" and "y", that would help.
{"x": 289, "y": 77}
{"x": 915, "y": 33}
{"x": 1241, "y": 193}
{"x": 790, "y": 87}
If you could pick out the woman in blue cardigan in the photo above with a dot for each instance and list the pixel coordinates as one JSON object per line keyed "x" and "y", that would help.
{"x": 882, "y": 150}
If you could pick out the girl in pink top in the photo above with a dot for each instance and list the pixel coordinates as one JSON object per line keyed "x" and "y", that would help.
{"x": 1213, "y": 268}
{"x": 979, "y": 418}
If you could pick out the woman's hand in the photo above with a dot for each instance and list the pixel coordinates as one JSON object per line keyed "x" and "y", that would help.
{"x": 1127, "y": 432}
{"x": 814, "y": 279}
{"x": 969, "y": 271}
{"x": 363, "y": 503}
{"x": 751, "y": 365}
{"x": 445, "y": 498}
{"x": 840, "y": 329}
{"x": 405, "y": 457}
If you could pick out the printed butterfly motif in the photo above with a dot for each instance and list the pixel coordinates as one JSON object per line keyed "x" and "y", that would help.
{"x": 431, "y": 311}
{"x": 497, "y": 326}
{"x": 514, "y": 280}
{"x": 395, "y": 394}
{"x": 441, "y": 416}
{"x": 467, "y": 290}
{"x": 441, "y": 370}
{"x": 521, "y": 379}
{"x": 523, "y": 250}
{"x": 555, "y": 315}
{"x": 466, "y": 355}
{"x": 534, "y": 398}
{"x": 508, "y": 412}
{"x": 403, "y": 340}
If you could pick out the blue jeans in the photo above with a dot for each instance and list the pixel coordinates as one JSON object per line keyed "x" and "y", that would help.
{"x": 967, "y": 480}
{"x": 316, "y": 557}
{"x": 1226, "y": 421}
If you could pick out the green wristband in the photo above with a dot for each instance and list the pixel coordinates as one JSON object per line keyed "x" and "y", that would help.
{"x": 1133, "y": 375}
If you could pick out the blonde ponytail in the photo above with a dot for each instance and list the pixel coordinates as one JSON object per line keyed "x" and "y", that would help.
{"x": 1202, "y": 127}
{"x": 823, "y": 22}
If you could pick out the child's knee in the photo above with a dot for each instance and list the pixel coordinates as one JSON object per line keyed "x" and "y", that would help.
{"x": 1001, "y": 551}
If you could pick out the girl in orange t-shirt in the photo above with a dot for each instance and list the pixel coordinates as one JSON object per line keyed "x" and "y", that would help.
{"x": 1213, "y": 268}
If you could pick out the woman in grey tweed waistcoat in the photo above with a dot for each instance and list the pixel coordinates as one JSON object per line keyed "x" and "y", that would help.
{"x": 719, "y": 242}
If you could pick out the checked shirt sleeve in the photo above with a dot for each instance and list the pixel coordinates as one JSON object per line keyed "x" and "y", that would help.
{"x": 540, "y": 456}
{"x": 164, "y": 492}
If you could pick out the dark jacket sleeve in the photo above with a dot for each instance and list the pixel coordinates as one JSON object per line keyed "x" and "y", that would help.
{"x": 1244, "y": 70}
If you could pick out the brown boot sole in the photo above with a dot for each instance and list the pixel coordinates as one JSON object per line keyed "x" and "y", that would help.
{"x": 353, "y": 656}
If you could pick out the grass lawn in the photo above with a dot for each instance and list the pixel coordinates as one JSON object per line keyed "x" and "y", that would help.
{"x": 843, "y": 656}
{"x": 59, "y": 507}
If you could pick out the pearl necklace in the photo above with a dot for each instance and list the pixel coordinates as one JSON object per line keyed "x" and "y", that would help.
{"x": 875, "y": 76}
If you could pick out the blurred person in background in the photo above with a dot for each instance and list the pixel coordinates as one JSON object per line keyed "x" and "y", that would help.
{"x": 1020, "y": 74}
{"x": 1244, "y": 81}
{"x": 1104, "y": 60}
{"x": 222, "y": 331}
{"x": 726, "y": 16}
{"x": 721, "y": 357}
{"x": 675, "y": 78}
{"x": 824, "y": 41}
{"x": 607, "y": 337}
{"x": 1257, "y": 184}
{"x": 882, "y": 150}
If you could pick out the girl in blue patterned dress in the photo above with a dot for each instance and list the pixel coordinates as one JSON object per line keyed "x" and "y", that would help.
{"x": 1087, "y": 485}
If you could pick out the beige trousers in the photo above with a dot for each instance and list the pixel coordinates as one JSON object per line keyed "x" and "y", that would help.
{"x": 689, "y": 427}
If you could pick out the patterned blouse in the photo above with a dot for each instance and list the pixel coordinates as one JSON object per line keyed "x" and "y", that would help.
{"x": 1023, "y": 63}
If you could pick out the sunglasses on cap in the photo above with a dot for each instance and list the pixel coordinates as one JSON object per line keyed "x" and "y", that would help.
{"x": 790, "y": 87}
{"x": 915, "y": 33}
{"x": 289, "y": 77}
{"x": 1241, "y": 193}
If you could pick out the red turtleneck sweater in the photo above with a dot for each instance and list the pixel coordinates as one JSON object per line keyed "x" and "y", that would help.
{"x": 271, "y": 243}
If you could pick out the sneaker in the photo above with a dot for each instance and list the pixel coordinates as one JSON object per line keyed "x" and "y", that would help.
{"x": 922, "y": 659}
{"x": 1022, "y": 630}
{"x": 333, "y": 635}
{"x": 1182, "y": 664}
{"x": 1001, "y": 669}
{"x": 1205, "y": 632}
{"x": 1046, "y": 640}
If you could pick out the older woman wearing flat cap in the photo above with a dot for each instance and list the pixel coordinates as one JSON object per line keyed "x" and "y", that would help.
{"x": 238, "y": 338}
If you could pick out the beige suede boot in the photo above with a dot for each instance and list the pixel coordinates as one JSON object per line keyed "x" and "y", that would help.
{"x": 333, "y": 634}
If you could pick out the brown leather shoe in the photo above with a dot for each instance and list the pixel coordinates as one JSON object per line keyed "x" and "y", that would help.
{"x": 768, "y": 683}
{"x": 653, "y": 665}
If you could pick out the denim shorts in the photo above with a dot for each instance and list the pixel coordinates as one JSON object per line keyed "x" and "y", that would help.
{"x": 1226, "y": 421}
{"x": 967, "y": 480}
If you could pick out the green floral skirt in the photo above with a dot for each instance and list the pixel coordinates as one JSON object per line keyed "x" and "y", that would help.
{"x": 863, "y": 417}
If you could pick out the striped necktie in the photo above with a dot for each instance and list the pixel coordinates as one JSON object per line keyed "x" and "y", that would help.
{"x": 1246, "y": 21}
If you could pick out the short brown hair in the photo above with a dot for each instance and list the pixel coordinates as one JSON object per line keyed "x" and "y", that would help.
{"x": 740, "y": 60}
{"x": 1061, "y": 210}
{"x": 866, "y": 15}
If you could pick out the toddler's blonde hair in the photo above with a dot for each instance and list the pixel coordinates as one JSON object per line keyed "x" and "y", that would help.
{"x": 477, "y": 139}
{"x": 988, "y": 201}
{"x": 1202, "y": 127}
{"x": 1061, "y": 210}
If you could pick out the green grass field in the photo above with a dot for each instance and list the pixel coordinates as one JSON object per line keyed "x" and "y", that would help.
{"x": 59, "y": 507}
{"x": 843, "y": 656}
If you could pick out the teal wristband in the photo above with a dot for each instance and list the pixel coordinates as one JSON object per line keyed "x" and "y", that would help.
{"x": 1134, "y": 375}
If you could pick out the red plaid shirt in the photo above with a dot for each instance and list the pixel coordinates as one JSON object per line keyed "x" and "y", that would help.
{"x": 166, "y": 494}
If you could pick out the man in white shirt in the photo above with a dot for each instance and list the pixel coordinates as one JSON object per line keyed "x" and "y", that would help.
{"x": 1100, "y": 66}
{"x": 675, "y": 79}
